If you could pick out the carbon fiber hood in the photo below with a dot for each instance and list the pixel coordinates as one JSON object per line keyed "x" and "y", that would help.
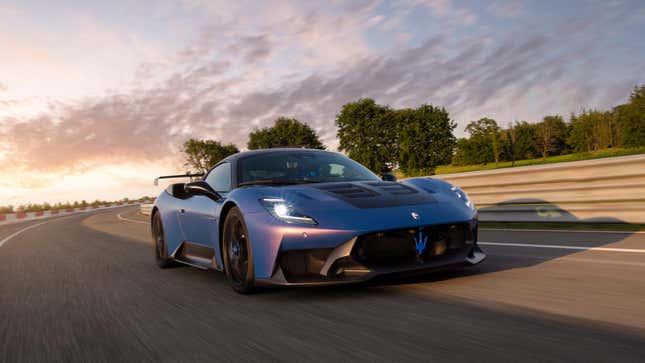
{"x": 376, "y": 194}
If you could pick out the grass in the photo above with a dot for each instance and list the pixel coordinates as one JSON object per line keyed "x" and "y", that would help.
{"x": 449, "y": 169}
{"x": 565, "y": 226}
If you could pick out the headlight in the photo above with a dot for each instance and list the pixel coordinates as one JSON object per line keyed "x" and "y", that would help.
{"x": 282, "y": 210}
{"x": 463, "y": 196}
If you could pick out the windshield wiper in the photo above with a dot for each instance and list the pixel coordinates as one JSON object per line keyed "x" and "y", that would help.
{"x": 273, "y": 182}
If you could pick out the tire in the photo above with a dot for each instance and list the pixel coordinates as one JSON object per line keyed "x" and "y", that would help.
{"x": 159, "y": 241}
{"x": 237, "y": 254}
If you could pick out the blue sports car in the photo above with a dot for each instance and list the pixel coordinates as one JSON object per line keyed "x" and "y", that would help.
{"x": 310, "y": 217}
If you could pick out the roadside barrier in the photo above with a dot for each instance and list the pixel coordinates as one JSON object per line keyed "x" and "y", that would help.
{"x": 602, "y": 190}
{"x": 146, "y": 209}
{"x": 8, "y": 218}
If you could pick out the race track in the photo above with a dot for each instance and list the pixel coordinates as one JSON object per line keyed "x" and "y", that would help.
{"x": 85, "y": 288}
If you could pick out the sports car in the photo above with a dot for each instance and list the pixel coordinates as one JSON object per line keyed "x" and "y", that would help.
{"x": 311, "y": 217}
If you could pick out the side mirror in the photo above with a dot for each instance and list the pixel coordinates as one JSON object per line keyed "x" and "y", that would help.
{"x": 388, "y": 177}
{"x": 201, "y": 188}
{"x": 177, "y": 190}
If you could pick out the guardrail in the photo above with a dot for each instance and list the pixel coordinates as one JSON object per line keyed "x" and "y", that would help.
{"x": 8, "y": 218}
{"x": 600, "y": 190}
{"x": 146, "y": 209}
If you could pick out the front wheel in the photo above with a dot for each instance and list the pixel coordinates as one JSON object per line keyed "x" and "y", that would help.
{"x": 236, "y": 248}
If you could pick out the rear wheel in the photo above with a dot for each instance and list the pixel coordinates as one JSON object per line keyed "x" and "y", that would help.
{"x": 159, "y": 240}
{"x": 236, "y": 250}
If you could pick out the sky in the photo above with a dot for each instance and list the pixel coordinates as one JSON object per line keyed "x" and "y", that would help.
{"x": 96, "y": 97}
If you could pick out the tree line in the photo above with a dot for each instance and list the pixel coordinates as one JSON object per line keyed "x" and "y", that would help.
{"x": 621, "y": 127}
{"x": 417, "y": 140}
{"x": 377, "y": 136}
{"x": 37, "y": 207}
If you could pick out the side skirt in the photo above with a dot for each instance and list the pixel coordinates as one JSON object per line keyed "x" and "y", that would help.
{"x": 195, "y": 254}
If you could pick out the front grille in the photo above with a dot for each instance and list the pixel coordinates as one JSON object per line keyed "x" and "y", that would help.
{"x": 397, "y": 247}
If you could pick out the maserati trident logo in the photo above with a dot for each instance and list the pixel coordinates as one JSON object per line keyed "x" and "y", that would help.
{"x": 420, "y": 243}
{"x": 415, "y": 216}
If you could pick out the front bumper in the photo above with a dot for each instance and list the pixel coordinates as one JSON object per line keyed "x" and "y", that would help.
{"x": 366, "y": 256}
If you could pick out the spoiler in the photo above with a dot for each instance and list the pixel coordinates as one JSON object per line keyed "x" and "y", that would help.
{"x": 187, "y": 175}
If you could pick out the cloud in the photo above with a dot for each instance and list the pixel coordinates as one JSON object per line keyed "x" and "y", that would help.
{"x": 439, "y": 7}
{"x": 476, "y": 77}
{"x": 306, "y": 63}
{"x": 508, "y": 8}
{"x": 2, "y": 87}
{"x": 253, "y": 48}
{"x": 447, "y": 10}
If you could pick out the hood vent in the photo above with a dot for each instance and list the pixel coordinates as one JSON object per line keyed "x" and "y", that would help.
{"x": 376, "y": 194}
{"x": 393, "y": 188}
{"x": 348, "y": 190}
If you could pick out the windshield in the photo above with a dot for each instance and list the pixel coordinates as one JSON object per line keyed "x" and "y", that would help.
{"x": 294, "y": 167}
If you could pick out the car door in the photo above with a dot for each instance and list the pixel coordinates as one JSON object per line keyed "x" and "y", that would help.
{"x": 198, "y": 218}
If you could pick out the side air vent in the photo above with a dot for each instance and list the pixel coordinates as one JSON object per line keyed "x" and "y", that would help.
{"x": 393, "y": 188}
{"x": 348, "y": 190}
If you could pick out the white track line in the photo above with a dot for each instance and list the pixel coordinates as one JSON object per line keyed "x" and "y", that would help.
{"x": 51, "y": 219}
{"x": 582, "y": 248}
{"x": 558, "y": 230}
{"x": 129, "y": 220}
{"x": 14, "y": 234}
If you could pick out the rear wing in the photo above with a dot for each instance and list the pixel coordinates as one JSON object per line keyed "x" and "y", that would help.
{"x": 187, "y": 175}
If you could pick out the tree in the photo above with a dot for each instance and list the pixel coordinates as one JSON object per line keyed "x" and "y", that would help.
{"x": 486, "y": 129}
{"x": 630, "y": 119}
{"x": 425, "y": 138}
{"x": 592, "y": 130}
{"x": 508, "y": 139}
{"x": 580, "y": 136}
{"x": 286, "y": 132}
{"x": 525, "y": 136}
{"x": 6, "y": 209}
{"x": 471, "y": 151}
{"x": 202, "y": 155}
{"x": 551, "y": 136}
{"x": 368, "y": 132}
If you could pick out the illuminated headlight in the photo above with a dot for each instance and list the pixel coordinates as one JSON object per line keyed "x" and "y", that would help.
{"x": 282, "y": 210}
{"x": 463, "y": 196}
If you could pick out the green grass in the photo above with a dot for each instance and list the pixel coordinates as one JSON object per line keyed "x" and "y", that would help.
{"x": 449, "y": 169}
{"x": 565, "y": 226}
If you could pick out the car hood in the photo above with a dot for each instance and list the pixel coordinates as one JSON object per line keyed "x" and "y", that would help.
{"x": 374, "y": 202}
{"x": 362, "y": 195}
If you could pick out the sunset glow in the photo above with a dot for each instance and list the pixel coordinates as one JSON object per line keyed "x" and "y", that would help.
{"x": 96, "y": 100}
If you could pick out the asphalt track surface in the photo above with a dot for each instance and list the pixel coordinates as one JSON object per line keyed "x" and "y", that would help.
{"x": 85, "y": 288}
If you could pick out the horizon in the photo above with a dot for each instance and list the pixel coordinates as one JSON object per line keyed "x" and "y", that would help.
{"x": 99, "y": 97}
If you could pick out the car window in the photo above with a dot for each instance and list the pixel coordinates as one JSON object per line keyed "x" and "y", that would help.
{"x": 301, "y": 166}
{"x": 336, "y": 170}
{"x": 220, "y": 178}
